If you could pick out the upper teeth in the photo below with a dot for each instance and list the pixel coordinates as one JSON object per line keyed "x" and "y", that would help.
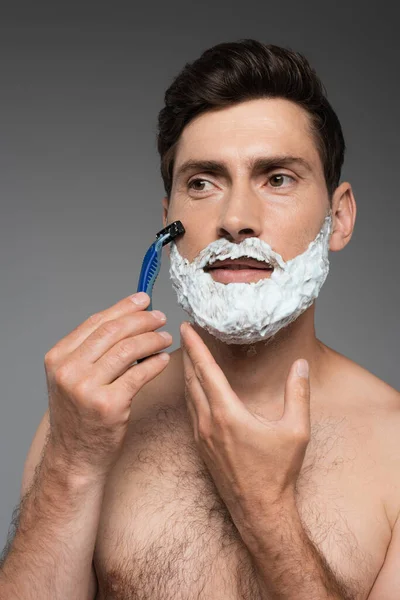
{"x": 212, "y": 262}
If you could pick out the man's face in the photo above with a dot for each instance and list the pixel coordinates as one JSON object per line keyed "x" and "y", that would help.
{"x": 283, "y": 205}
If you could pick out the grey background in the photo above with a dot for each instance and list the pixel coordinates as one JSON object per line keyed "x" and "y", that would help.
{"x": 80, "y": 190}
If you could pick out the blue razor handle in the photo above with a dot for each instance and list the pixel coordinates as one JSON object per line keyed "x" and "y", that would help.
{"x": 152, "y": 260}
{"x": 151, "y": 268}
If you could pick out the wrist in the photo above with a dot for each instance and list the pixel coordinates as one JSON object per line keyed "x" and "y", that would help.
{"x": 265, "y": 519}
{"x": 69, "y": 471}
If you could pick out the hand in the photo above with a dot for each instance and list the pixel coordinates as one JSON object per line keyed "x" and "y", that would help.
{"x": 91, "y": 381}
{"x": 254, "y": 461}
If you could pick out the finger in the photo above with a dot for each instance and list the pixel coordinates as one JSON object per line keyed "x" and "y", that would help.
{"x": 216, "y": 387}
{"x": 193, "y": 419}
{"x": 138, "y": 376}
{"x": 121, "y": 356}
{"x": 71, "y": 341}
{"x": 297, "y": 398}
{"x": 113, "y": 332}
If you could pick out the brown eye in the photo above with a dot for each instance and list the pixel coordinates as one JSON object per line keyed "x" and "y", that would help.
{"x": 193, "y": 184}
{"x": 279, "y": 179}
{"x": 199, "y": 181}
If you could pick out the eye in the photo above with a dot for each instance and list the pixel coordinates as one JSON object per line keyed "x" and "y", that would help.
{"x": 194, "y": 181}
{"x": 278, "y": 178}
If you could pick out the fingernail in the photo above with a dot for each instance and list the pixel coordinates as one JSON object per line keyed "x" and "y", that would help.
{"x": 302, "y": 368}
{"x": 140, "y": 298}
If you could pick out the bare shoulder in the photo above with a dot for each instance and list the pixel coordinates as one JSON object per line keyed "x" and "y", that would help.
{"x": 363, "y": 386}
{"x": 373, "y": 407}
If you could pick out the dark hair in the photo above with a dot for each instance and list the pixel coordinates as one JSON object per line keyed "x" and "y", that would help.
{"x": 233, "y": 72}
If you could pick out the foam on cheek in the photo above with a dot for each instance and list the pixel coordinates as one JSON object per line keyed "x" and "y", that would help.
{"x": 244, "y": 313}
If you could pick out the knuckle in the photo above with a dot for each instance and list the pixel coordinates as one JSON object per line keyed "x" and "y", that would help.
{"x": 125, "y": 349}
{"x": 50, "y": 359}
{"x": 302, "y": 388}
{"x": 199, "y": 372}
{"x": 131, "y": 385}
{"x": 82, "y": 389}
{"x": 189, "y": 378}
{"x": 220, "y": 417}
{"x": 95, "y": 319}
{"x": 305, "y": 393}
{"x": 109, "y": 328}
{"x": 136, "y": 379}
{"x": 63, "y": 375}
{"x": 101, "y": 405}
{"x": 147, "y": 322}
{"x": 153, "y": 336}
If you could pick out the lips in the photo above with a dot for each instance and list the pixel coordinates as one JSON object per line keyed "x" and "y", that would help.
{"x": 248, "y": 263}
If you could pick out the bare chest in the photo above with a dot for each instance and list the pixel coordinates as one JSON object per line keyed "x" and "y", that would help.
{"x": 165, "y": 533}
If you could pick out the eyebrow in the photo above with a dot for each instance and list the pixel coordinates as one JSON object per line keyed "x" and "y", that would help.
{"x": 257, "y": 164}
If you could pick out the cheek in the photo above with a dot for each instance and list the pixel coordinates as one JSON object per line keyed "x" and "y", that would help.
{"x": 297, "y": 245}
{"x": 190, "y": 248}
{"x": 296, "y": 238}
{"x": 288, "y": 237}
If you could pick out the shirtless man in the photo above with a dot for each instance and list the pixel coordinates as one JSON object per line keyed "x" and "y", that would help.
{"x": 220, "y": 474}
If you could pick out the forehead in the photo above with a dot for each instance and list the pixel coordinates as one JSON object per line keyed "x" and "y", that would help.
{"x": 267, "y": 125}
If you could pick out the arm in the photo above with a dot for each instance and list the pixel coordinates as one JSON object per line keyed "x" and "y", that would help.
{"x": 288, "y": 565}
{"x": 255, "y": 462}
{"x": 91, "y": 384}
{"x": 51, "y": 554}
{"x": 249, "y": 456}
{"x": 387, "y": 584}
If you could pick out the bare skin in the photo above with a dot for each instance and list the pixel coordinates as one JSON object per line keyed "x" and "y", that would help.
{"x": 346, "y": 495}
{"x": 348, "y": 488}
{"x": 163, "y": 531}
{"x": 161, "y": 513}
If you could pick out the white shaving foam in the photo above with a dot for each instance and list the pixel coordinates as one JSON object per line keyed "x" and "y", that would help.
{"x": 245, "y": 313}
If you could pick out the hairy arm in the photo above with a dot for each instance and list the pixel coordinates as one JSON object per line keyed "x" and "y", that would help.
{"x": 288, "y": 565}
{"x": 54, "y": 532}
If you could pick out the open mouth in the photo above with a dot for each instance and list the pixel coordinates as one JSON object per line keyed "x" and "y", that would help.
{"x": 239, "y": 268}
{"x": 239, "y": 273}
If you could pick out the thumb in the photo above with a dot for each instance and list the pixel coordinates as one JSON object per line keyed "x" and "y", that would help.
{"x": 297, "y": 397}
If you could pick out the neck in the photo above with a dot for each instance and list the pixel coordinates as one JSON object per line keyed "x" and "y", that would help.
{"x": 257, "y": 372}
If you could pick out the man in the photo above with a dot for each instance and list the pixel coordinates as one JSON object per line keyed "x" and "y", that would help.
{"x": 257, "y": 462}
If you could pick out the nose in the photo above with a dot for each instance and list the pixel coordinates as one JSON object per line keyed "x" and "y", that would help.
{"x": 241, "y": 215}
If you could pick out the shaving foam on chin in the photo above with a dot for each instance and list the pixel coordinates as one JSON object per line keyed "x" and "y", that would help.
{"x": 245, "y": 313}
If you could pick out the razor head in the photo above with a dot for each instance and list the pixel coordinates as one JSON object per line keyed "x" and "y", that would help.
{"x": 173, "y": 229}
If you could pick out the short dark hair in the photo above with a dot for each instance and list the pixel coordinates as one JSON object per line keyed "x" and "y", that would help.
{"x": 232, "y": 72}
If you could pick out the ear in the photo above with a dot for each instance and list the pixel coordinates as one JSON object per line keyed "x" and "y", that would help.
{"x": 344, "y": 212}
